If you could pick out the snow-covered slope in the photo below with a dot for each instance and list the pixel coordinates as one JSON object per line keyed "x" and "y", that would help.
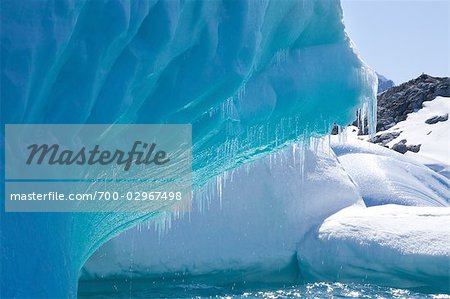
{"x": 434, "y": 139}
{"x": 384, "y": 176}
{"x": 424, "y": 135}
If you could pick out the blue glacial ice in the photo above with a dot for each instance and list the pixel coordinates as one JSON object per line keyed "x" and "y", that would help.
{"x": 250, "y": 76}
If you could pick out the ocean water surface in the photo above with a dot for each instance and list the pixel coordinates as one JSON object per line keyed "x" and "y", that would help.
{"x": 146, "y": 289}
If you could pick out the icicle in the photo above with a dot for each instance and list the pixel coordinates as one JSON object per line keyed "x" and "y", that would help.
{"x": 131, "y": 268}
{"x": 342, "y": 134}
{"x": 281, "y": 56}
{"x": 219, "y": 182}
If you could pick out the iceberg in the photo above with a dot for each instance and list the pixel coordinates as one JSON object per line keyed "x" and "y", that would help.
{"x": 248, "y": 235}
{"x": 290, "y": 220}
{"x": 251, "y": 77}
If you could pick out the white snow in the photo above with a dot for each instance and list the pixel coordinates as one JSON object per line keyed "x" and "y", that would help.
{"x": 384, "y": 176}
{"x": 396, "y": 245}
{"x": 435, "y": 138}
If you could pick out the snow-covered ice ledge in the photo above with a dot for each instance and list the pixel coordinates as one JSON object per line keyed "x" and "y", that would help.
{"x": 402, "y": 246}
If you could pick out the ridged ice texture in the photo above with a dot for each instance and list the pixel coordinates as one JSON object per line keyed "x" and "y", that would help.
{"x": 250, "y": 76}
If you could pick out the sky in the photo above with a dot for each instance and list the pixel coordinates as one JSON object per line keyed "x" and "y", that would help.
{"x": 401, "y": 39}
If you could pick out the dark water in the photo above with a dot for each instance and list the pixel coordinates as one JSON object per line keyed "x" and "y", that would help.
{"x": 312, "y": 290}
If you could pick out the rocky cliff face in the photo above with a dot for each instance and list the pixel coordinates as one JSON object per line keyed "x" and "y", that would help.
{"x": 413, "y": 120}
{"x": 424, "y": 103}
{"x": 395, "y": 103}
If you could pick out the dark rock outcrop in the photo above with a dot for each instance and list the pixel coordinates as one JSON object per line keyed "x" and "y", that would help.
{"x": 436, "y": 119}
{"x": 384, "y": 138}
{"x": 335, "y": 130}
{"x": 400, "y": 147}
{"x": 414, "y": 148}
{"x": 395, "y": 103}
